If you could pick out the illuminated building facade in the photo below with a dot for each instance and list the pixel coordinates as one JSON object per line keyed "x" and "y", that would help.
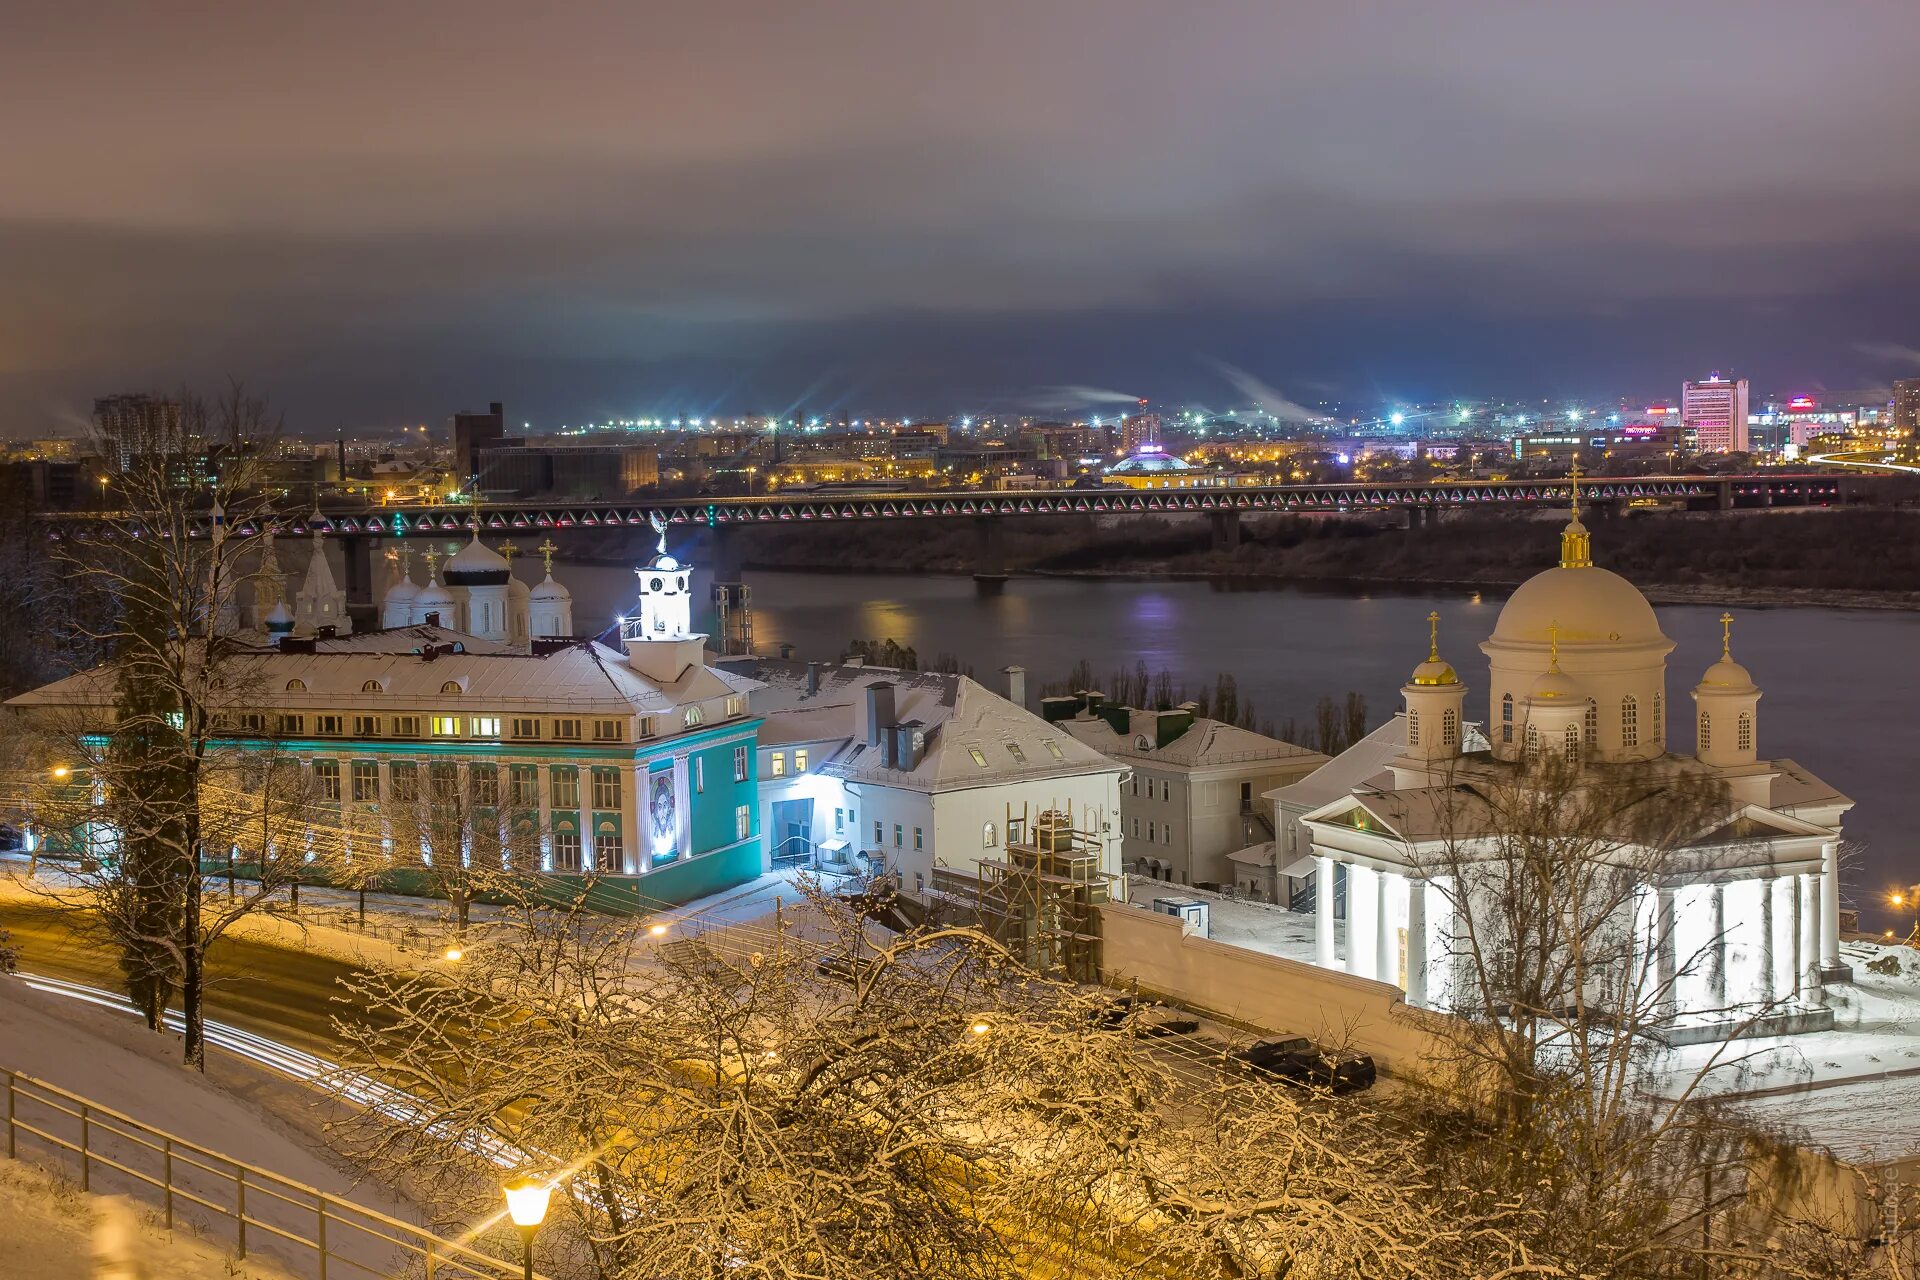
{"x": 1714, "y": 413}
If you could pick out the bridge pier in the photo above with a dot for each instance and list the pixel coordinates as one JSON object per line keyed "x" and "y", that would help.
{"x": 732, "y": 601}
{"x": 1419, "y": 517}
{"x": 1723, "y": 495}
{"x": 356, "y": 555}
{"x": 989, "y": 556}
{"x": 1226, "y": 530}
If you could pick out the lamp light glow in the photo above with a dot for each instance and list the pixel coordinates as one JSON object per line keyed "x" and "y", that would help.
{"x": 527, "y": 1199}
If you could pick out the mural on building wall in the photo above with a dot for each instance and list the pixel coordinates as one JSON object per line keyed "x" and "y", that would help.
{"x": 663, "y": 819}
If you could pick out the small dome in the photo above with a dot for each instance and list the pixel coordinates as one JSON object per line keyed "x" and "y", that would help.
{"x": 1435, "y": 672}
{"x": 403, "y": 590}
{"x": 550, "y": 590}
{"x": 664, "y": 563}
{"x": 1728, "y": 676}
{"x": 435, "y": 596}
{"x": 1555, "y": 685}
{"x": 278, "y": 620}
{"x": 477, "y": 565}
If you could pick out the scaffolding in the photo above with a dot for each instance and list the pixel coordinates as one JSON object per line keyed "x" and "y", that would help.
{"x": 1042, "y": 899}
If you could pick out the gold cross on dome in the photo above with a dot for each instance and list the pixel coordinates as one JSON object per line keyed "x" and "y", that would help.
{"x": 546, "y": 550}
{"x": 433, "y": 562}
{"x": 1726, "y": 635}
{"x": 1433, "y": 636}
{"x": 508, "y": 551}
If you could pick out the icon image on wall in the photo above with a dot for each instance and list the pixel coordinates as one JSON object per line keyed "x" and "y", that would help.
{"x": 663, "y": 822}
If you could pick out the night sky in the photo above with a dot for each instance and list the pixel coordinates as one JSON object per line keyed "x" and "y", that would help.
{"x": 383, "y": 212}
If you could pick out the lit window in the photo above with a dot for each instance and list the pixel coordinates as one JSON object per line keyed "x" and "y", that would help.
{"x": 486, "y": 726}
{"x": 800, "y": 760}
{"x": 979, "y": 756}
{"x": 739, "y": 764}
{"x": 1744, "y": 732}
{"x": 1706, "y": 732}
{"x": 736, "y": 706}
{"x": 446, "y": 726}
{"x": 742, "y": 821}
{"x": 695, "y": 716}
{"x": 777, "y": 764}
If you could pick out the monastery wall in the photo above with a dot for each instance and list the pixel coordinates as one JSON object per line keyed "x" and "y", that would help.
{"x": 1274, "y": 994}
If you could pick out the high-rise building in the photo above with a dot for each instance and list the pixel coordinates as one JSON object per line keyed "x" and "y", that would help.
{"x": 1141, "y": 428}
{"x": 473, "y": 432}
{"x": 137, "y": 425}
{"x": 1906, "y": 405}
{"x": 1715, "y": 412}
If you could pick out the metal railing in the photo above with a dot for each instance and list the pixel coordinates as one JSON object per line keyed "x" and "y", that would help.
{"x": 296, "y": 1225}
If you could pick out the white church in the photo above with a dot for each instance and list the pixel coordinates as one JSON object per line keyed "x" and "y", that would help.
{"x": 1743, "y": 923}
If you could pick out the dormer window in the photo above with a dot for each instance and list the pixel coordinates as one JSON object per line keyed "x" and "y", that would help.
{"x": 296, "y": 685}
{"x": 451, "y": 686}
{"x": 371, "y": 686}
{"x": 695, "y": 716}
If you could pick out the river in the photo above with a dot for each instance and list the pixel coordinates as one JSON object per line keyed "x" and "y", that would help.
{"x": 1840, "y": 696}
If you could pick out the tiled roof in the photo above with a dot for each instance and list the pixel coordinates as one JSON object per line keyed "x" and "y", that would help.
{"x": 1207, "y": 744}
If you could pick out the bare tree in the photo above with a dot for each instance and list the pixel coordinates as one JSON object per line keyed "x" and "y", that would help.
{"x": 456, "y": 831}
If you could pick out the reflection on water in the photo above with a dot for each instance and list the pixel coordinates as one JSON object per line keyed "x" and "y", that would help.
{"x": 1840, "y": 694}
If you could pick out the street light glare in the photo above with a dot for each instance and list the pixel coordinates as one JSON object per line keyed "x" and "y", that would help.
{"x": 527, "y": 1201}
{"x": 454, "y": 953}
{"x": 656, "y": 929}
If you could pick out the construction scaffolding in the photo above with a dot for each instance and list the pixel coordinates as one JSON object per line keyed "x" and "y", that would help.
{"x": 1042, "y": 899}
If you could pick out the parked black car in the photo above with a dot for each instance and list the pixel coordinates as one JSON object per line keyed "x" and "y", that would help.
{"x": 1299, "y": 1060}
{"x": 1144, "y": 1018}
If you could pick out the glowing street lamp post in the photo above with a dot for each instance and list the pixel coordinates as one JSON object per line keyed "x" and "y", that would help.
{"x": 1910, "y": 897}
{"x": 527, "y": 1205}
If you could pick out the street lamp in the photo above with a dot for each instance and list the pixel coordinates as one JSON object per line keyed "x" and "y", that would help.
{"x": 527, "y": 1205}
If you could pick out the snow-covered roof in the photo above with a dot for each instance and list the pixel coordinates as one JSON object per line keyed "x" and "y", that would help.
{"x": 586, "y": 677}
{"x": 1206, "y": 744}
{"x": 1363, "y": 760}
{"x": 974, "y": 737}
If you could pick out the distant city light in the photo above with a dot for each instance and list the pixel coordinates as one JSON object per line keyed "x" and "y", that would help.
{"x": 1396, "y": 417}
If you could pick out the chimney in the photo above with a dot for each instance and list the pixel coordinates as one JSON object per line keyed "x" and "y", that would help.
{"x": 433, "y": 618}
{"x": 813, "y": 679}
{"x": 1016, "y": 686}
{"x": 879, "y": 711}
{"x": 327, "y": 632}
{"x": 786, "y": 652}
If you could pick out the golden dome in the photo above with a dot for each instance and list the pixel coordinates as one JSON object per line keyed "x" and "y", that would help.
{"x": 1554, "y": 685}
{"x": 1434, "y": 671}
{"x": 1590, "y": 606}
{"x": 1726, "y": 675}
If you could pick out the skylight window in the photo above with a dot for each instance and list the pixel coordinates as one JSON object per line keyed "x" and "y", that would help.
{"x": 1053, "y": 749}
{"x": 1019, "y": 756}
{"x": 979, "y": 756}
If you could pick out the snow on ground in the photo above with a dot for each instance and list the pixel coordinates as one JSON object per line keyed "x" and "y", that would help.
{"x": 1241, "y": 922}
{"x": 237, "y": 1109}
{"x": 53, "y": 1229}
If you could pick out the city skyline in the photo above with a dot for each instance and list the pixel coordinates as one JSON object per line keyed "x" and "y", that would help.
{"x": 382, "y": 218}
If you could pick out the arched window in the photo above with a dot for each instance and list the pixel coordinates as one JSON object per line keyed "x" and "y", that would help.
{"x": 1706, "y": 732}
{"x": 1413, "y": 728}
{"x": 1744, "y": 732}
{"x": 987, "y": 836}
{"x": 296, "y": 685}
{"x": 1533, "y": 740}
{"x": 371, "y": 686}
{"x": 1591, "y": 726}
{"x": 695, "y": 716}
{"x": 1506, "y": 717}
{"x": 1573, "y": 741}
{"x": 1449, "y": 727}
{"x": 1629, "y": 722}
{"x": 1659, "y": 718}
{"x": 451, "y": 686}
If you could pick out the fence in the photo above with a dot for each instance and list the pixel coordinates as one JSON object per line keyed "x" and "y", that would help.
{"x": 293, "y": 1224}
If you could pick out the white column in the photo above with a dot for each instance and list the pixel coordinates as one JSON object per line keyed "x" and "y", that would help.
{"x": 1830, "y": 904}
{"x": 1808, "y": 887}
{"x": 1717, "y": 949}
{"x": 1324, "y": 952}
{"x": 1768, "y": 939}
{"x": 1788, "y": 927}
{"x": 1443, "y": 913}
{"x": 540, "y": 772}
{"x": 1665, "y": 954}
{"x": 1386, "y": 937}
{"x": 1416, "y": 942}
{"x": 1363, "y": 920}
